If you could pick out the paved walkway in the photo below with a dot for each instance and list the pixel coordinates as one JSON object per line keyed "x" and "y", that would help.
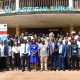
{"x": 51, "y": 75}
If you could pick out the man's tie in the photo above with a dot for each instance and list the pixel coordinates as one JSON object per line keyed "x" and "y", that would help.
{"x": 25, "y": 48}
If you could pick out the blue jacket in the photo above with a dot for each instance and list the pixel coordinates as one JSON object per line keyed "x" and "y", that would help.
{"x": 6, "y": 49}
{"x": 63, "y": 50}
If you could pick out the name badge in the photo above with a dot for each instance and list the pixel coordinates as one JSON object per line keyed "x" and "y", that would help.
{"x": 74, "y": 51}
{"x": 33, "y": 47}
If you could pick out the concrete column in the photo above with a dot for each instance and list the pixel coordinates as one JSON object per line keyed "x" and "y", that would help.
{"x": 71, "y": 28}
{"x": 70, "y": 4}
{"x": 17, "y": 31}
{"x": 17, "y": 5}
{"x": 1, "y": 4}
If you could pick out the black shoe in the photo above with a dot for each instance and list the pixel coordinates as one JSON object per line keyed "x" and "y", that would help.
{"x": 23, "y": 70}
{"x": 29, "y": 70}
{"x": 59, "y": 69}
{"x": 69, "y": 69}
{"x": 78, "y": 69}
{"x": 7, "y": 69}
{"x": 63, "y": 69}
{"x": 51, "y": 69}
{"x": 54, "y": 69}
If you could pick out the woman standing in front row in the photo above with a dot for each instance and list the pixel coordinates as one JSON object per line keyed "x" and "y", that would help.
{"x": 16, "y": 51}
{"x": 43, "y": 48}
{"x": 34, "y": 54}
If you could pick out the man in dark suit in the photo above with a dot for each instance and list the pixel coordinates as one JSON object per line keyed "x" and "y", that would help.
{"x": 68, "y": 55}
{"x": 61, "y": 54}
{"x": 6, "y": 50}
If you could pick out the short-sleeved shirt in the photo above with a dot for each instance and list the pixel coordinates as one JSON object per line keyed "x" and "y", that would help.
{"x": 43, "y": 50}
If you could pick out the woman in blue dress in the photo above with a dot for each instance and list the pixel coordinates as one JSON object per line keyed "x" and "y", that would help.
{"x": 34, "y": 54}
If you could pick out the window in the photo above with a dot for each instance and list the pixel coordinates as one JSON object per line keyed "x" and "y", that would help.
{"x": 76, "y": 4}
{"x": 38, "y": 3}
{"x": 9, "y": 4}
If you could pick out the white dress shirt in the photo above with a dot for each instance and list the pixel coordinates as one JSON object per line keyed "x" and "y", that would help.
{"x": 10, "y": 51}
{"x": 16, "y": 49}
{"x": 2, "y": 50}
{"x": 78, "y": 43}
{"x": 60, "y": 49}
{"x": 23, "y": 47}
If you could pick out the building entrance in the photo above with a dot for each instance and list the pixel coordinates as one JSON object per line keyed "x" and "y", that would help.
{"x": 42, "y": 30}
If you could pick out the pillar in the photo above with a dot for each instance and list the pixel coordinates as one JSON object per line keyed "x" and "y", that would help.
{"x": 1, "y": 4}
{"x": 17, "y": 31}
{"x": 17, "y": 5}
{"x": 71, "y": 28}
{"x": 70, "y": 4}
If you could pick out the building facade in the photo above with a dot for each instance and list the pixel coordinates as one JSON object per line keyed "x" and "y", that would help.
{"x": 40, "y": 15}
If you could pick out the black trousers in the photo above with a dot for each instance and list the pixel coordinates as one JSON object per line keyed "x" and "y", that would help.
{"x": 2, "y": 63}
{"x": 16, "y": 60}
{"x": 75, "y": 62}
{"x": 79, "y": 62}
{"x": 25, "y": 61}
{"x": 53, "y": 61}
{"x": 69, "y": 62}
{"x": 11, "y": 62}
{"x": 7, "y": 62}
{"x": 66, "y": 62}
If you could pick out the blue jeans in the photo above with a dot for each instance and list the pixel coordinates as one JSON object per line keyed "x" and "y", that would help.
{"x": 25, "y": 61}
{"x": 53, "y": 61}
{"x": 61, "y": 61}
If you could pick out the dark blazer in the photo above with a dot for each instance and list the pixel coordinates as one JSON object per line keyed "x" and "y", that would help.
{"x": 6, "y": 49}
{"x": 68, "y": 51}
{"x": 63, "y": 50}
{"x": 74, "y": 50}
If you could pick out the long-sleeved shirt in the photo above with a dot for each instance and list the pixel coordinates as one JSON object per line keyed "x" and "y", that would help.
{"x": 10, "y": 51}
{"x": 16, "y": 49}
{"x": 2, "y": 51}
{"x": 51, "y": 47}
{"x": 24, "y": 49}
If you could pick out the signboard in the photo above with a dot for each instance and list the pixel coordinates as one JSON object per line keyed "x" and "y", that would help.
{"x": 3, "y": 32}
{"x": 44, "y": 8}
{"x": 39, "y": 9}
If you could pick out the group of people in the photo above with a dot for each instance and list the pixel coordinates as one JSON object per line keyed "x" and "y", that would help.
{"x": 40, "y": 52}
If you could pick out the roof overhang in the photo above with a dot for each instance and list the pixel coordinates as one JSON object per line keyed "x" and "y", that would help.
{"x": 40, "y": 20}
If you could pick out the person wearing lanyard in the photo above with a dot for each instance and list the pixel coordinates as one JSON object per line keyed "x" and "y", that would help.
{"x": 74, "y": 53}
{"x": 24, "y": 53}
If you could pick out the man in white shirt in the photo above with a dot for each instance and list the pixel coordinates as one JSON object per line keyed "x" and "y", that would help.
{"x": 10, "y": 56}
{"x": 25, "y": 53}
{"x": 78, "y": 43}
{"x": 2, "y": 56}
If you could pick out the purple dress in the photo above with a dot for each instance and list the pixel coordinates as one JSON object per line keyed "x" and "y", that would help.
{"x": 33, "y": 49}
